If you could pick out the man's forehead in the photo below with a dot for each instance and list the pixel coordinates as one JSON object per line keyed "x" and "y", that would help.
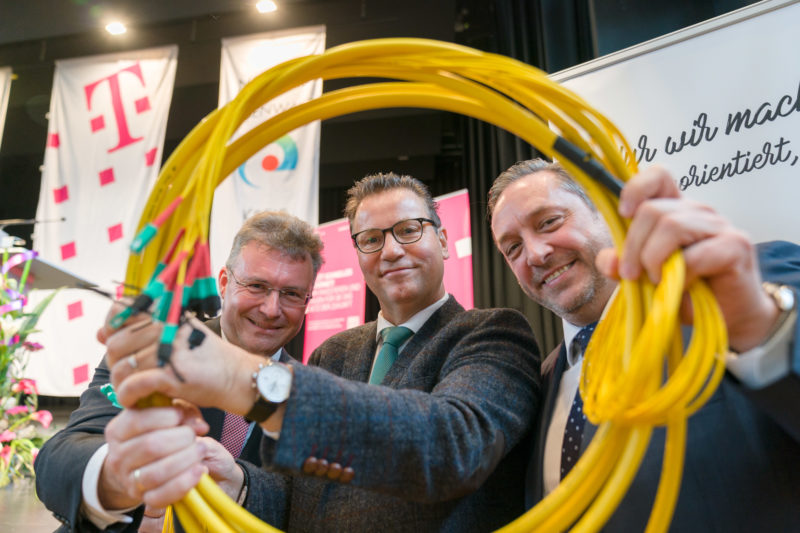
{"x": 389, "y": 206}
{"x": 255, "y": 254}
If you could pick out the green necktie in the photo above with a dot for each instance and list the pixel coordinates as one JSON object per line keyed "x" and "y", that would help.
{"x": 393, "y": 337}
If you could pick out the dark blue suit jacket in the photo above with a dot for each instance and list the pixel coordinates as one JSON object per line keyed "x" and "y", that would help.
{"x": 63, "y": 458}
{"x": 742, "y": 468}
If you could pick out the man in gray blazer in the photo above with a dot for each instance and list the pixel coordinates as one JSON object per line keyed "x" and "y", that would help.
{"x": 742, "y": 465}
{"x": 427, "y": 438}
{"x": 77, "y": 470}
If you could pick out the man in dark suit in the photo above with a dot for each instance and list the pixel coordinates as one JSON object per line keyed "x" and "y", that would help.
{"x": 418, "y": 433}
{"x": 742, "y": 466}
{"x": 78, "y": 471}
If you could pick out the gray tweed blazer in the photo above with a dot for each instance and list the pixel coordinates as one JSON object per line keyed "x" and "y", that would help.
{"x": 440, "y": 446}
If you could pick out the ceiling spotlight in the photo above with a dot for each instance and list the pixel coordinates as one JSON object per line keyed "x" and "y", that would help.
{"x": 266, "y": 6}
{"x": 116, "y": 28}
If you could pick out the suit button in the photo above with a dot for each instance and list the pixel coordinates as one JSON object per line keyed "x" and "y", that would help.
{"x": 310, "y": 465}
{"x": 347, "y": 475}
{"x": 322, "y": 467}
{"x": 334, "y": 471}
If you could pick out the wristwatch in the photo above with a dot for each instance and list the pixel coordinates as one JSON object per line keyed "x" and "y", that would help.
{"x": 274, "y": 383}
{"x": 785, "y": 300}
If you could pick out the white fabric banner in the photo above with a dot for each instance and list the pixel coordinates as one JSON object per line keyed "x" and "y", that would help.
{"x": 717, "y": 104}
{"x": 283, "y": 175}
{"x": 5, "y": 90}
{"x": 108, "y": 117}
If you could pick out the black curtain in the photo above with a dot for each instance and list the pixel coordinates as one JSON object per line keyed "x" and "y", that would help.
{"x": 513, "y": 28}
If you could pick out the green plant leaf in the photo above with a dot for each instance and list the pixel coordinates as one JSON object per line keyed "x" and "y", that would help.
{"x": 33, "y": 317}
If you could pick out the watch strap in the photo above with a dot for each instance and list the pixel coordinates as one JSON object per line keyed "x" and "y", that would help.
{"x": 261, "y": 410}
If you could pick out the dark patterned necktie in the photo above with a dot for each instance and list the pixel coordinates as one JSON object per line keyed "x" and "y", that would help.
{"x": 573, "y": 432}
{"x": 234, "y": 431}
{"x": 393, "y": 338}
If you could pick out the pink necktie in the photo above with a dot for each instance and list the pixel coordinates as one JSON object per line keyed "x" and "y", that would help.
{"x": 234, "y": 431}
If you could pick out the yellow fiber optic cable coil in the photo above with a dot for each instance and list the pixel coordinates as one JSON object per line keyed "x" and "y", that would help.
{"x": 625, "y": 386}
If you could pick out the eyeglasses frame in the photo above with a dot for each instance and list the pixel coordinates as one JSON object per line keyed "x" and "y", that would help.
{"x": 421, "y": 220}
{"x": 270, "y": 289}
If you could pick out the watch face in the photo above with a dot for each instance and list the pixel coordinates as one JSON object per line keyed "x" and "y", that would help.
{"x": 274, "y": 383}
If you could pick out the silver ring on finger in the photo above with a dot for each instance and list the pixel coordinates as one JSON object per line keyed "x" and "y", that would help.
{"x": 137, "y": 480}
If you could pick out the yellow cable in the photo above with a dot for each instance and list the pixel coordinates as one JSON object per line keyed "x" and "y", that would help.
{"x": 635, "y": 375}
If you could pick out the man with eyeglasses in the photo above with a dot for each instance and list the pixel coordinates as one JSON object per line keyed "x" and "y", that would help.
{"x": 265, "y": 286}
{"x": 413, "y": 422}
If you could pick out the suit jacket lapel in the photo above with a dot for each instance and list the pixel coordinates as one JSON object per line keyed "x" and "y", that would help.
{"x": 359, "y": 354}
{"x": 534, "y": 483}
{"x": 215, "y": 418}
{"x": 429, "y": 329}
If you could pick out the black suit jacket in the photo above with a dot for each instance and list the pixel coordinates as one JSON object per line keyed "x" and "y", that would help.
{"x": 742, "y": 467}
{"x": 62, "y": 460}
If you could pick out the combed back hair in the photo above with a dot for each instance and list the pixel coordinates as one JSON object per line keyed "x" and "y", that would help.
{"x": 385, "y": 181}
{"x": 281, "y": 231}
{"x": 532, "y": 166}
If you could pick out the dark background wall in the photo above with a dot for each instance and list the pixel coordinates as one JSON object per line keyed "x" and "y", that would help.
{"x": 446, "y": 151}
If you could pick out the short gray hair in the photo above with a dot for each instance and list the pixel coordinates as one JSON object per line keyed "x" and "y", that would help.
{"x": 525, "y": 168}
{"x": 281, "y": 231}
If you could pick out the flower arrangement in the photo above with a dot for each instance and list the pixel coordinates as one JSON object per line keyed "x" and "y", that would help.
{"x": 20, "y": 439}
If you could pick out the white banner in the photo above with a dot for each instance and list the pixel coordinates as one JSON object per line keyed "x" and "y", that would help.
{"x": 283, "y": 175}
{"x": 108, "y": 117}
{"x": 718, "y": 104}
{"x": 5, "y": 90}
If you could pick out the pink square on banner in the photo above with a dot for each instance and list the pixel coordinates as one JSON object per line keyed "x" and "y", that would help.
{"x": 80, "y": 374}
{"x": 97, "y": 123}
{"x": 106, "y": 176}
{"x": 53, "y": 140}
{"x": 61, "y": 194}
{"x": 142, "y": 104}
{"x": 114, "y": 232}
{"x": 68, "y": 250}
{"x": 75, "y": 310}
{"x": 150, "y": 157}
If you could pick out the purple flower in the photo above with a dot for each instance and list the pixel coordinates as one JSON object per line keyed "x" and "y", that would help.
{"x": 32, "y": 346}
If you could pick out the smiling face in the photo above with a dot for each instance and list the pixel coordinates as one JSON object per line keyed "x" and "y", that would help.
{"x": 262, "y": 324}
{"x": 550, "y": 239}
{"x": 406, "y": 278}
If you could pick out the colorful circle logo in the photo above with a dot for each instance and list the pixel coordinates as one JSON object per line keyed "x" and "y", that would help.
{"x": 271, "y": 162}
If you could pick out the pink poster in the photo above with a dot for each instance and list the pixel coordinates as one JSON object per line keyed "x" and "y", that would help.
{"x": 454, "y": 212}
{"x": 339, "y": 293}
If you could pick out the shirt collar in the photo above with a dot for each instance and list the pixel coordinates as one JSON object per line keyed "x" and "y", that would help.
{"x": 415, "y": 322}
{"x": 570, "y": 330}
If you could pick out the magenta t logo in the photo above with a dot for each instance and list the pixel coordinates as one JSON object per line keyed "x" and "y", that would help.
{"x": 142, "y": 104}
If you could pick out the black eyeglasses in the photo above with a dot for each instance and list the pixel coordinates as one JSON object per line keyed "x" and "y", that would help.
{"x": 288, "y": 297}
{"x": 405, "y": 232}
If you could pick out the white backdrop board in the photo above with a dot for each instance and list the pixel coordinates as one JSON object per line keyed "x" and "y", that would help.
{"x": 718, "y": 104}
